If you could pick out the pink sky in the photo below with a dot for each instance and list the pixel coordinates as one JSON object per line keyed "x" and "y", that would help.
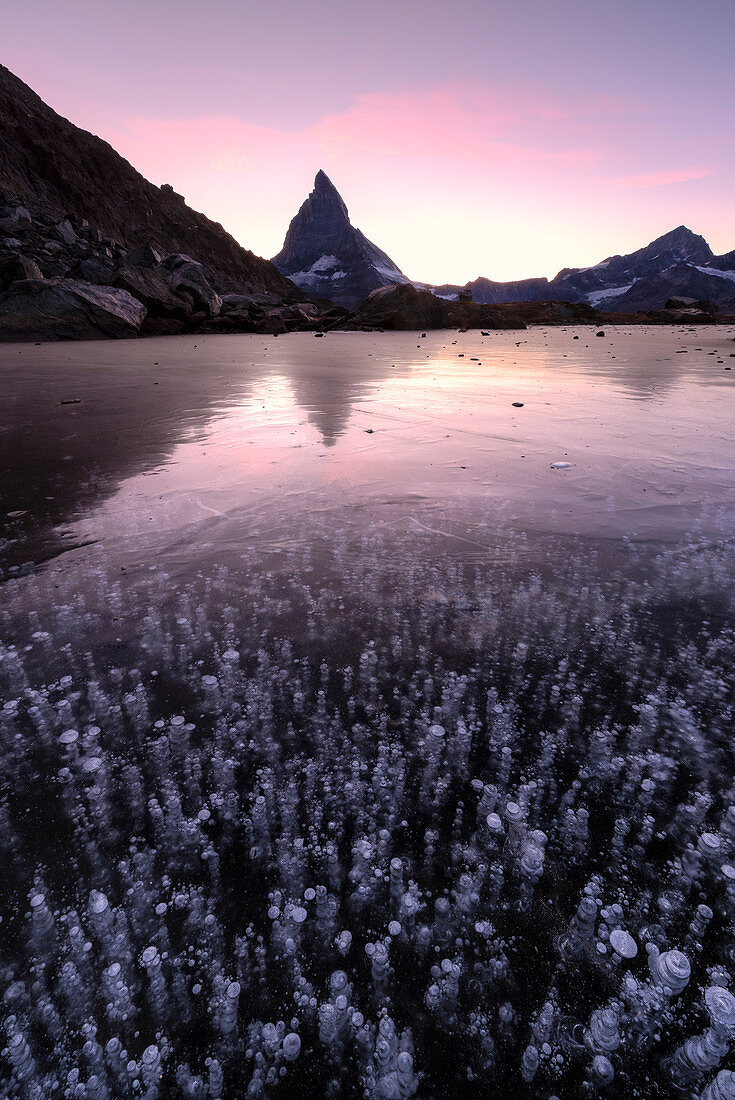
{"x": 482, "y": 139}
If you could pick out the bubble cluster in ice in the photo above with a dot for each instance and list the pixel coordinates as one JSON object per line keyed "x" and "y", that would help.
{"x": 416, "y": 828}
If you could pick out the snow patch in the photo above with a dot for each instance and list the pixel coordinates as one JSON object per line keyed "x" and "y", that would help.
{"x": 390, "y": 274}
{"x": 730, "y": 275}
{"x": 324, "y": 263}
{"x": 595, "y": 297}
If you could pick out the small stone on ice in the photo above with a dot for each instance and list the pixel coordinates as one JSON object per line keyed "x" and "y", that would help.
{"x": 561, "y": 465}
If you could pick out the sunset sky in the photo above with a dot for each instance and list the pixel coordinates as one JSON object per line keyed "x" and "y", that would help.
{"x": 467, "y": 138}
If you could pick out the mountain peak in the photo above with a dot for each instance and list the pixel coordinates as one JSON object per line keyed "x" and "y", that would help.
{"x": 322, "y": 182}
{"x": 682, "y": 243}
{"x": 324, "y": 253}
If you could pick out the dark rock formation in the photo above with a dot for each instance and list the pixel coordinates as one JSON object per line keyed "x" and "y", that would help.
{"x": 66, "y": 175}
{"x": 406, "y": 307}
{"x": 186, "y": 276}
{"x": 150, "y": 287}
{"x": 72, "y": 209}
{"x": 63, "y": 309}
{"x": 327, "y": 256}
{"x": 15, "y": 267}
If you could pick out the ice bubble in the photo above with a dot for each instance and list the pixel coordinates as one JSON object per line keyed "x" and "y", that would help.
{"x": 623, "y": 943}
{"x": 291, "y": 1046}
{"x": 69, "y": 737}
{"x": 721, "y": 1007}
{"x": 98, "y": 902}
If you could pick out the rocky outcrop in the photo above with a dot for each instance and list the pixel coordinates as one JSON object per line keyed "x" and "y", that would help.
{"x": 65, "y": 176}
{"x": 175, "y": 289}
{"x": 16, "y": 266}
{"x": 153, "y": 290}
{"x": 327, "y": 256}
{"x": 408, "y": 308}
{"x": 64, "y": 309}
{"x": 72, "y": 209}
{"x": 186, "y": 276}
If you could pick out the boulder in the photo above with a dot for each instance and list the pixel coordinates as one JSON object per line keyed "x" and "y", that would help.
{"x": 64, "y": 309}
{"x": 403, "y": 307}
{"x": 13, "y": 268}
{"x": 91, "y": 270}
{"x": 65, "y": 232}
{"x": 235, "y": 302}
{"x": 248, "y": 317}
{"x": 691, "y": 316}
{"x": 10, "y": 226}
{"x": 702, "y": 305}
{"x": 143, "y": 255}
{"x": 184, "y": 274}
{"x": 150, "y": 287}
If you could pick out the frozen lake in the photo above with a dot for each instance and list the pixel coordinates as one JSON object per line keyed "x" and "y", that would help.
{"x": 366, "y": 716}
{"x": 169, "y": 446}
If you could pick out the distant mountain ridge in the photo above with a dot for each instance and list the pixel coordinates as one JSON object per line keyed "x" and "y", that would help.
{"x": 679, "y": 263}
{"x": 327, "y": 256}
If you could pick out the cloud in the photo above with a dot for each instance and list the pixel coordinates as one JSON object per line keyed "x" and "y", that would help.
{"x": 445, "y": 125}
{"x": 662, "y": 179}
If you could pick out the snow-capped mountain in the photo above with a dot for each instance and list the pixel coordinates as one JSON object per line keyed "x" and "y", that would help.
{"x": 679, "y": 263}
{"x": 324, "y": 254}
{"x": 327, "y": 256}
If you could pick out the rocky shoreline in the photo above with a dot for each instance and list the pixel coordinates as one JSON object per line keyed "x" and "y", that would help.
{"x": 66, "y": 280}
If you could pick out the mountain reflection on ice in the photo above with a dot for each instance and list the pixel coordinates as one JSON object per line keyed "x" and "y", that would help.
{"x": 370, "y": 792}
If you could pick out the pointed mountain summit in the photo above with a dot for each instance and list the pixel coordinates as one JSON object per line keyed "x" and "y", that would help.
{"x": 327, "y": 256}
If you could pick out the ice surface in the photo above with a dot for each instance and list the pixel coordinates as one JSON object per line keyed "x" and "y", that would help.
{"x": 357, "y": 781}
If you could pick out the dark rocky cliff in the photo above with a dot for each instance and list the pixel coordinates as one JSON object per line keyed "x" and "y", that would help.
{"x": 56, "y": 169}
